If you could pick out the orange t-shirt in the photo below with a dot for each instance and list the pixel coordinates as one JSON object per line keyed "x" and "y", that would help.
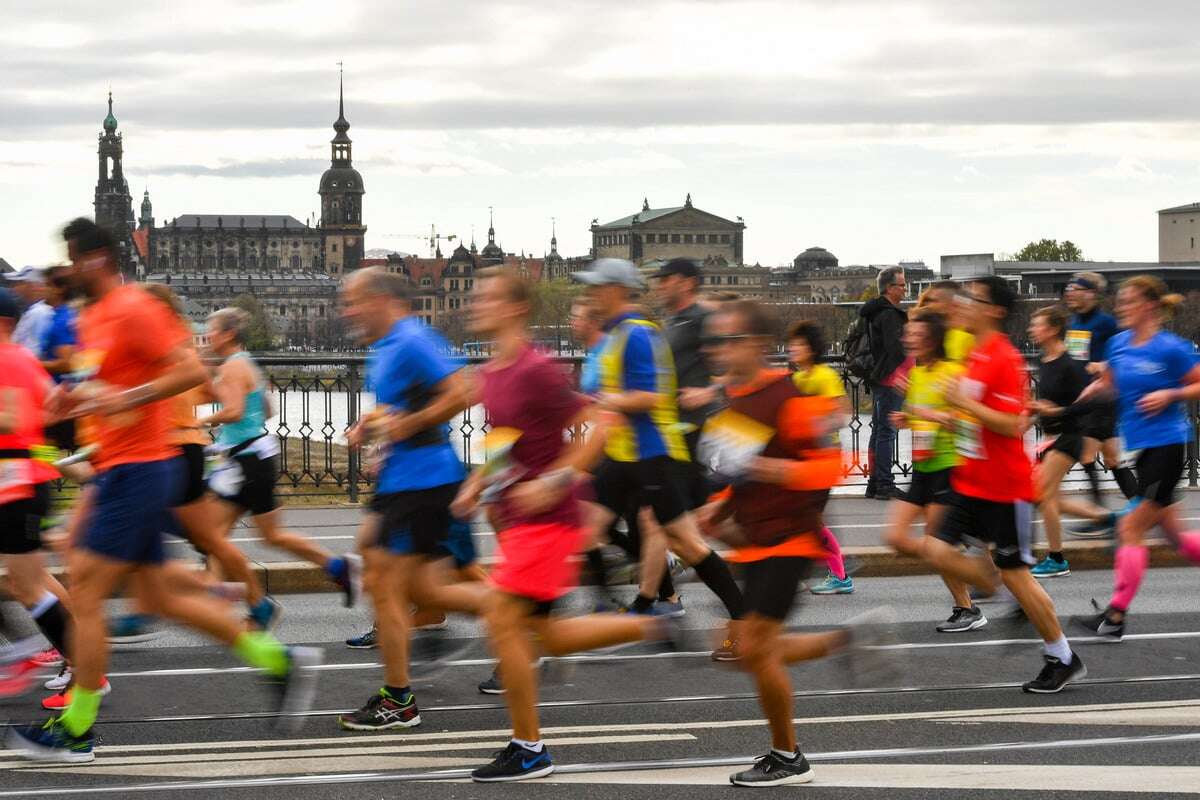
{"x": 185, "y": 428}
{"x": 127, "y": 334}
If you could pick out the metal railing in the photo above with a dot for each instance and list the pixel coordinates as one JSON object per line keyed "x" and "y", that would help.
{"x": 320, "y": 397}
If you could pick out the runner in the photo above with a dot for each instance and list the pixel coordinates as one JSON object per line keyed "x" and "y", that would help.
{"x": 993, "y": 486}
{"x": 1088, "y": 333}
{"x": 806, "y": 349}
{"x": 1152, "y": 373}
{"x": 140, "y": 357}
{"x": 774, "y": 506}
{"x": 245, "y": 480}
{"x": 25, "y": 495}
{"x": 646, "y": 455}
{"x": 405, "y": 532}
{"x": 927, "y": 414}
{"x": 540, "y": 526}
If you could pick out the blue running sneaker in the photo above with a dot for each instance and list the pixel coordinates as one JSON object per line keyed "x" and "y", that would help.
{"x": 670, "y": 608}
{"x": 515, "y": 763}
{"x": 52, "y": 742}
{"x": 367, "y": 641}
{"x": 132, "y": 628}
{"x": 266, "y": 613}
{"x": 834, "y": 585}
{"x": 1051, "y": 568}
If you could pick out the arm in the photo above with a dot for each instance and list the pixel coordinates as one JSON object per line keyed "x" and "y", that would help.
{"x": 10, "y": 410}
{"x": 60, "y": 360}
{"x": 532, "y": 497}
{"x": 1154, "y": 402}
{"x": 230, "y": 390}
{"x": 179, "y": 371}
{"x": 451, "y": 396}
{"x": 1002, "y": 422}
{"x": 641, "y": 390}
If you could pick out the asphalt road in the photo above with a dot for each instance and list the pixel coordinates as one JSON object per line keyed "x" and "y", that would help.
{"x": 186, "y": 721}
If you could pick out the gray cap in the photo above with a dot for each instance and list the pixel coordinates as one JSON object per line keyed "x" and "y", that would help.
{"x": 607, "y": 271}
{"x": 24, "y": 274}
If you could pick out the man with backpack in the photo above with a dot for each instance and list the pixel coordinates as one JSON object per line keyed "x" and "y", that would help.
{"x": 873, "y": 352}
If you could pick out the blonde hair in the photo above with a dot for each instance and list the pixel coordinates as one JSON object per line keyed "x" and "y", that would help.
{"x": 162, "y": 292}
{"x": 1055, "y": 316}
{"x": 1094, "y": 278}
{"x": 232, "y": 319}
{"x": 1154, "y": 290}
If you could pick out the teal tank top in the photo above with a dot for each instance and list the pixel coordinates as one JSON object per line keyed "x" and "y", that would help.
{"x": 254, "y": 416}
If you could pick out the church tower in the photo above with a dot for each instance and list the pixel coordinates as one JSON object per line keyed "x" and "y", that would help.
{"x": 114, "y": 205}
{"x": 342, "y": 231}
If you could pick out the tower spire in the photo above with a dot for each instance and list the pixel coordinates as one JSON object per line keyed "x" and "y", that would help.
{"x": 341, "y": 110}
{"x": 553, "y": 235}
{"x": 491, "y": 226}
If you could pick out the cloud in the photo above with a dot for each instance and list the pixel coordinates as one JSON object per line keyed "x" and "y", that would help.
{"x": 1126, "y": 168}
{"x": 266, "y": 168}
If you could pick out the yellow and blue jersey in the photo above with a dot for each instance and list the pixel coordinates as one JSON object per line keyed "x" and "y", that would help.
{"x": 636, "y": 357}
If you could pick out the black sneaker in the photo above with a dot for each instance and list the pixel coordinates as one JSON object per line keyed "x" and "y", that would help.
{"x": 962, "y": 620}
{"x": 431, "y": 652}
{"x": 1056, "y": 675}
{"x": 492, "y": 685}
{"x": 367, "y": 641}
{"x": 515, "y": 763}
{"x": 1102, "y": 624}
{"x": 52, "y": 742}
{"x": 297, "y": 688}
{"x": 775, "y": 770}
{"x": 352, "y": 581}
{"x": 383, "y": 711}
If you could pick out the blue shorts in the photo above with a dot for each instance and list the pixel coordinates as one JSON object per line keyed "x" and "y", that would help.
{"x": 458, "y": 544}
{"x": 132, "y": 511}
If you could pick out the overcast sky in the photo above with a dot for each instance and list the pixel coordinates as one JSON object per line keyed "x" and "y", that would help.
{"x": 880, "y": 130}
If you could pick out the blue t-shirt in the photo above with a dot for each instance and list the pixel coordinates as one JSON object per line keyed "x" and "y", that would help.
{"x": 589, "y": 373}
{"x": 404, "y": 367}
{"x": 1160, "y": 363}
{"x": 646, "y": 366}
{"x": 60, "y": 332}
{"x": 1088, "y": 334}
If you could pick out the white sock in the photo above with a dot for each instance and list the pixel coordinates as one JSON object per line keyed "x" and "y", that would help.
{"x": 784, "y": 754}
{"x": 535, "y": 747}
{"x": 1059, "y": 649}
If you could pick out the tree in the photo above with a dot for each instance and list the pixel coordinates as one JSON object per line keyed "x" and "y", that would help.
{"x": 1050, "y": 250}
{"x": 552, "y": 308}
{"x": 259, "y": 335}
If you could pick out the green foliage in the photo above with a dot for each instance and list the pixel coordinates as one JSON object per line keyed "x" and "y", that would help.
{"x": 1050, "y": 250}
{"x": 259, "y": 337}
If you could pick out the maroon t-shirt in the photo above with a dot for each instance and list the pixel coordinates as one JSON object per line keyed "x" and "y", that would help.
{"x": 535, "y": 396}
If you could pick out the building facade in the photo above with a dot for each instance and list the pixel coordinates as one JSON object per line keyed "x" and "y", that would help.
{"x": 1178, "y": 234}
{"x": 665, "y": 233}
{"x": 816, "y": 276}
{"x": 234, "y": 244}
{"x": 113, "y": 202}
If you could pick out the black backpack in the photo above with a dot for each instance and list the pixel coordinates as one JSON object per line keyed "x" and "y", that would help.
{"x": 860, "y": 358}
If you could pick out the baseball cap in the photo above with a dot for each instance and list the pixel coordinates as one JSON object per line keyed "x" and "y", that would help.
{"x": 9, "y": 307}
{"x": 608, "y": 271}
{"x": 25, "y": 274}
{"x": 684, "y": 267}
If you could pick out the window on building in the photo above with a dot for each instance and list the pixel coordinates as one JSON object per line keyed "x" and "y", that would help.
{"x": 251, "y": 261}
{"x": 674, "y": 238}
{"x": 283, "y": 311}
{"x": 210, "y": 262}
{"x": 333, "y": 247}
{"x": 295, "y": 262}
{"x": 295, "y": 243}
{"x": 713, "y": 238}
{"x": 427, "y": 281}
{"x": 320, "y": 311}
{"x": 724, "y": 238}
{"x": 687, "y": 238}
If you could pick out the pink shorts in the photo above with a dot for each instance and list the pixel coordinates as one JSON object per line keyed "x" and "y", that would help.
{"x": 538, "y": 561}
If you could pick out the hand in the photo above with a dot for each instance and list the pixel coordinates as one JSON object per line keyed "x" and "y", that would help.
{"x": 1045, "y": 408}
{"x": 770, "y": 470}
{"x": 898, "y": 419}
{"x": 104, "y": 399}
{"x": 356, "y": 436}
{"x": 534, "y": 497}
{"x": 952, "y": 390}
{"x": 466, "y": 502}
{"x": 393, "y": 426}
{"x": 1024, "y": 422}
{"x": 1096, "y": 368}
{"x": 1155, "y": 402}
{"x": 900, "y": 384}
{"x": 693, "y": 397}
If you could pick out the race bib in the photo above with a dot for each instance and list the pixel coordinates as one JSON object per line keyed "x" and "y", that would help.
{"x": 969, "y": 439}
{"x": 226, "y": 478}
{"x": 924, "y": 434}
{"x": 1079, "y": 345}
{"x": 730, "y": 442}
{"x": 16, "y": 479}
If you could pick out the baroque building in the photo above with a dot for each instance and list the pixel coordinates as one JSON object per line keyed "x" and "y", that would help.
{"x": 113, "y": 203}
{"x": 665, "y": 233}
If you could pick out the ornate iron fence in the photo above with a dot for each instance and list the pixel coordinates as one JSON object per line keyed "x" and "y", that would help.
{"x": 319, "y": 398}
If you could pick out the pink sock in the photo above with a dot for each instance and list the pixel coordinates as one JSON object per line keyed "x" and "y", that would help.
{"x": 1128, "y": 568}
{"x": 834, "y": 560}
{"x": 1189, "y": 546}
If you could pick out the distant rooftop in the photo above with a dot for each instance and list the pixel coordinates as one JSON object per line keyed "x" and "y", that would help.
{"x": 645, "y": 215}
{"x": 236, "y": 221}
{"x": 1190, "y": 207}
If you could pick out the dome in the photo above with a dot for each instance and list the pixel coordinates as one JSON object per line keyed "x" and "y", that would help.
{"x": 816, "y": 258}
{"x": 110, "y": 122}
{"x": 341, "y": 180}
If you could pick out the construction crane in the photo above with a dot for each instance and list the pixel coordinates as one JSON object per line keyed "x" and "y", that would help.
{"x": 434, "y": 239}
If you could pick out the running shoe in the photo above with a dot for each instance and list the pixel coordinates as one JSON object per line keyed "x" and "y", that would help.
{"x": 62, "y": 699}
{"x": 367, "y": 641}
{"x": 774, "y": 770}
{"x": 49, "y": 658}
{"x": 52, "y": 742}
{"x": 383, "y": 711}
{"x": 131, "y": 629}
{"x": 435, "y": 626}
{"x": 60, "y": 681}
{"x": 265, "y": 614}
{"x": 1101, "y": 624}
{"x": 515, "y": 763}
{"x": 1050, "y": 567}
{"x": 834, "y": 585}
{"x": 492, "y": 685}
{"x": 670, "y": 608}
{"x": 297, "y": 688}
{"x": 727, "y": 653}
{"x": 433, "y": 651}
{"x": 962, "y": 620}
{"x": 1106, "y": 526}
{"x": 1055, "y": 675}
{"x": 868, "y": 636}
{"x": 17, "y": 678}
{"x": 351, "y": 581}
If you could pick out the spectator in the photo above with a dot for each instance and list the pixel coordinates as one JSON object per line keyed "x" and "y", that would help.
{"x": 28, "y": 284}
{"x": 58, "y": 339}
{"x": 885, "y": 321}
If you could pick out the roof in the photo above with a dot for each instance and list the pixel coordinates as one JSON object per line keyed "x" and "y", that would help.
{"x": 5, "y": 266}
{"x": 1192, "y": 207}
{"x": 235, "y": 221}
{"x": 141, "y": 242}
{"x": 642, "y": 216}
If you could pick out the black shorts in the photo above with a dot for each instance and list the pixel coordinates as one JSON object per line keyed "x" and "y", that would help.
{"x": 62, "y": 435}
{"x": 1158, "y": 471}
{"x": 662, "y": 483}
{"x": 1069, "y": 444}
{"x": 771, "y": 585}
{"x": 194, "y": 486}
{"x": 416, "y": 522}
{"x": 21, "y": 522}
{"x": 1007, "y": 526}
{"x": 929, "y": 488}
{"x": 256, "y": 492}
{"x": 1101, "y": 424}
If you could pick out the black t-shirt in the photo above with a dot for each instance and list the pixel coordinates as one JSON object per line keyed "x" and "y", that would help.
{"x": 1060, "y": 381}
{"x": 685, "y": 335}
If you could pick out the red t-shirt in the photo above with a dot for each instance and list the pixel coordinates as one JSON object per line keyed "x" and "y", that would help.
{"x": 994, "y": 467}
{"x": 24, "y": 382}
{"x": 127, "y": 334}
{"x": 535, "y": 396}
